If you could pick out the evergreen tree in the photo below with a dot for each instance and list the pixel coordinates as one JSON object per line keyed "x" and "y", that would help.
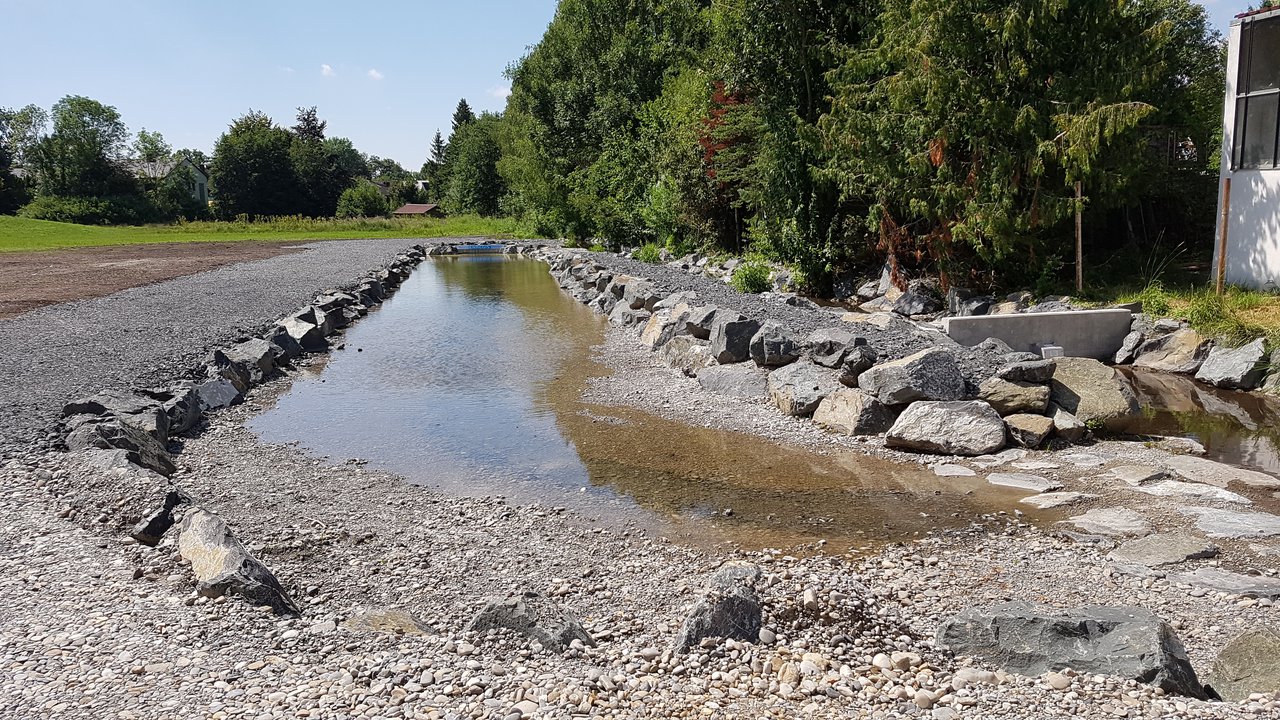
{"x": 462, "y": 115}
{"x": 318, "y": 169}
{"x": 474, "y": 183}
{"x": 433, "y": 170}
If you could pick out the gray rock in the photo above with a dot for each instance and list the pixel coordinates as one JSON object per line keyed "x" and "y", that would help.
{"x": 956, "y": 428}
{"x": 828, "y": 346}
{"x": 255, "y": 354}
{"x": 1032, "y": 640}
{"x": 735, "y": 572}
{"x": 151, "y": 529}
{"x": 640, "y": 294}
{"x": 1065, "y": 425}
{"x": 1271, "y": 384}
{"x": 221, "y": 564}
{"x": 857, "y": 360}
{"x": 307, "y": 335}
{"x": 1238, "y": 369}
{"x": 740, "y": 381}
{"x": 1010, "y": 397}
{"x": 110, "y": 402}
{"x": 797, "y": 389}
{"x": 1114, "y": 521}
{"x": 663, "y": 325}
{"x": 1027, "y": 371}
{"x": 391, "y": 622}
{"x": 533, "y": 615}
{"x": 1231, "y": 524}
{"x": 951, "y": 470}
{"x": 853, "y": 412}
{"x": 1028, "y": 430}
{"x": 1247, "y": 665}
{"x": 914, "y": 303}
{"x": 1163, "y": 549}
{"x": 1232, "y": 583}
{"x": 217, "y": 393}
{"x": 731, "y": 339}
{"x": 1211, "y": 472}
{"x": 1181, "y": 351}
{"x": 142, "y": 447}
{"x": 1192, "y": 491}
{"x": 1024, "y": 481}
{"x": 181, "y": 405}
{"x": 1092, "y": 392}
{"x": 1138, "y": 474}
{"x": 727, "y": 613}
{"x": 774, "y": 346}
{"x": 1128, "y": 351}
{"x": 702, "y": 319}
{"x": 1047, "y": 501}
{"x": 687, "y": 354}
{"x": 930, "y": 374}
{"x": 624, "y": 315}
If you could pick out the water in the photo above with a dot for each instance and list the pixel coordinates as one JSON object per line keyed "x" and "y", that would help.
{"x": 470, "y": 380}
{"x": 1239, "y": 428}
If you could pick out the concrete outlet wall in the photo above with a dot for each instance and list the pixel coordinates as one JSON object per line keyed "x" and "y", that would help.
{"x": 1082, "y": 333}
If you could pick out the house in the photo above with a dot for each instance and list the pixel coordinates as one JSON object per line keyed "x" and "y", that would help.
{"x": 1247, "y": 251}
{"x": 419, "y": 210}
{"x": 164, "y": 167}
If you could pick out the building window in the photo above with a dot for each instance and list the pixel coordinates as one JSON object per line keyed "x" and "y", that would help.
{"x": 1257, "y": 131}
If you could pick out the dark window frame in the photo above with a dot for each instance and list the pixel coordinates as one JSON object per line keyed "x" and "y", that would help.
{"x": 1244, "y": 97}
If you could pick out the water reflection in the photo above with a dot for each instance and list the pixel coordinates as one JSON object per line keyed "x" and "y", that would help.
{"x": 1235, "y": 427}
{"x": 470, "y": 379}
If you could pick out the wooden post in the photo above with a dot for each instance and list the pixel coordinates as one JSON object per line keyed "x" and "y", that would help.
{"x": 1222, "y": 240}
{"x": 1079, "y": 240}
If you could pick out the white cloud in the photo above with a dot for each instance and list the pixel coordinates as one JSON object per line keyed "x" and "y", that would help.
{"x": 286, "y": 70}
{"x": 327, "y": 70}
{"x": 374, "y": 74}
{"x": 502, "y": 92}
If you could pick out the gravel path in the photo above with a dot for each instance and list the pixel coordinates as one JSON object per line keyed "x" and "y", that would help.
{"x": 156, "y": 333}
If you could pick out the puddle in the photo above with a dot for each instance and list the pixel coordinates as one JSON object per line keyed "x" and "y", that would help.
{"x": 1238, "y": 428}
{"x": 470, "y": 380}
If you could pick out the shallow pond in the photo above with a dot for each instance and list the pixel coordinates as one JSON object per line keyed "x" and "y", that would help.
{"x": 470, "y": 380}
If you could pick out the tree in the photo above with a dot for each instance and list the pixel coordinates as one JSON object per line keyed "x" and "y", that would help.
{"x": 362, "y": 200}
{"x": 84, "y": 153}
{"x": 474, "y": 183}
{"x": 310, "y": 127}
{"x": 462, "y": 115}
{"x": 320, "y": 176}
{"x": 197, "y": 157}
{"x": 350, "y": 162}
{"x": 253, "y": 169}
{"x": 386, "y": 170}
{"x": 152, "y": 154}
{"x": 433, "y": 171}
{"x": 13, "y": 192}
{"x": 20, "y": 130}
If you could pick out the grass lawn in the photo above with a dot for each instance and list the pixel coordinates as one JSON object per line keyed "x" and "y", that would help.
{"x": 23, "y": 235}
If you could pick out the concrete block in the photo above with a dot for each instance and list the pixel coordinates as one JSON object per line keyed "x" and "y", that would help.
{"x": 1080, "y": 333}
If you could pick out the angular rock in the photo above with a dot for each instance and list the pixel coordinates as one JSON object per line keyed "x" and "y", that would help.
{"x": 142, "y": 447}
{"x": 1138, "y": 474}
{"x": 967, "y": 427}
{"x": 533, "y": 615}
{"x": 914, "y": 303}
{"x": 1163, "y": 549}
{"x": 640, "y": 295}
{"x": 1247, "y": 665}
{"x": 256, "y": 355}
{"x": 1230, "y": 524}
{"x": 307, "y": 335}
{"x": 728, "y": 613}
{"x": 151, "y": 529}
{"x": 1047, "y": 501}
{"x": 1028, "y": 431}
{"x": 217, "y": 393}
{"x": 857, "y": 360}
{"x": 181, "y": 405}
{"x": 1211, "y": 472}
{"x": 853, "y": 412}
{"x": 1065, "y": 425}
{"x": 625, "y": 316}
{"x": 702, "y": 319}
{"x": 1114, "y": 521}
{"x": 1238, "y": 369}
{"x": 661, "y": 327}
{"x": 1032, "y": 640}
{"x": 931, "y": 374}
{"x": 110, "y": 402}
{"x": 731, "y": 339}
{"x": 740, "y": 381}
{"x": 1128, "y": 351}
{"x": 774, "y": 346}
{"x": 828, "y": 346}
{"x": 1181, "y": 351}
{"x": 1010, "y": 397}
{"x": 1092, "y": 392}
{"x": 1023, "y": 481}
{"x": 283, "y": 344}
{"x": 687, "y": 354}
{"x": 1271, "y": 383}
{"x": 1027, "y": 371}
{"x": 222, "y": 564}
{"x": 1231, "y": 583}
{"x": 797, "y": 389}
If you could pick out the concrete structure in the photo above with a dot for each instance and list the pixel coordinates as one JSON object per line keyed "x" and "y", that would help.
{"x": 1251, "y": 115}
{"x": 1093, "y": 334}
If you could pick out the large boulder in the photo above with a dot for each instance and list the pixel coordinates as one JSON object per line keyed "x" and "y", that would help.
{"x": 853, "y": 412}
{"x": 663, "y": 325}
{"x": 774, "y": 346}
{"x": 1010, "y": 397}
{"x": 731, "y": 338}
{"x": 701, "y": 319}
{"x": 1236, "y": 368}
{"x": 828, "y": 346}
{"x": 141, "y": 446}
{"x": 221, "y": 563}
{"x": 1028, "y": 371}
{"x": 256, "y": 355}
{"x": 1092, "y": 392}
{"x": 1129, "y": 347}
{"x": 1065, "y": 425}
{"x": 533, "y": 615}
{"x": 930, "y": 374}
{"x": 1027, "y": 639}
{"x": 1028, "y": 430}
{"x": 729, "y": 609}
{"x": 916, "y": 303}
{"x": 110, "y": 402}
{"x": 965, "y": 427}
{"x": 640, "y": 294}
{"x": 687, "y": 354}
{"x": 1247, "y": 665}
{"x": 740, "y": 381}
{"x": 307, "y": 335}
{"x": 1181, "y": 351}
{"x": 798, "y": 388}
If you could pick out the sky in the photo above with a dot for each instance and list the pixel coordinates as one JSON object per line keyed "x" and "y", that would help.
{"x": 384, "y": 74}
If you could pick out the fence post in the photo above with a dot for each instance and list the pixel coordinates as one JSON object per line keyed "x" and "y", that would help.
{"x": 1222, "y": 241}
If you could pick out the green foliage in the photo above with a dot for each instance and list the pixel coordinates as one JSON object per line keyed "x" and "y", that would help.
{"x": 475, "y": 185}
{"x": 649, "y": 253}
{"x": 254, "y": 169}
{"x": 1154, "y": 299}
{"x": 751, "y": 276}
{"x": 83, "y": 155}
{"x": 109, "y": 210}
{"x": 13, "y": 191}
{"x": 598, "y": 248}
{"x": 362, "y": 201}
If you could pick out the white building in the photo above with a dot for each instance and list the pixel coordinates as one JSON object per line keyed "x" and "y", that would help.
{"x": 1250, "y": 143}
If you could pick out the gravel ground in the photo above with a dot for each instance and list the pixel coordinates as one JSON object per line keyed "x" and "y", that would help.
{"x": 156, "y": 333}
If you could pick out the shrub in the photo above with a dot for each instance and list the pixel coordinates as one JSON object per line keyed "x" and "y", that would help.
{"x": 1155, "y": 301}
{"x": 751, "y": 276}
{"x": 597, "y": 248}
{"x": 112, "y": 210}
{"x": 649, "y": 253}
{"x": 363, "y": 200}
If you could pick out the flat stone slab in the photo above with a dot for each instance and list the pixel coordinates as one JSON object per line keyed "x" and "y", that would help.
{"x": 952, "y": 470}
{"x": 1229, "y": 582}
{"x": 1210, "y": 472}
{"x": 1033, "y": 465}
{"x": 1163, "y": 549}
{"x": 1084, "y": 460}
{"x": 1000, "y": 458}
{"x": 1048, "y": 501}
{"x": 1177, "y": 488}
{"x": 1114, "y": 521}
{"x": 1217, "y": 523}
{"x": 1139, "y": 474}
{"x": 1023, "y": 481}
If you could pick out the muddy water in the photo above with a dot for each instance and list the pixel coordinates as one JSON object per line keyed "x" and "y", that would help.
{"x": 1239, "y": 428}
{"x": 470, "y": 380}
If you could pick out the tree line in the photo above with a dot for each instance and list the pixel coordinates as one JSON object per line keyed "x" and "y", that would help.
{"x": 79, "y": 163}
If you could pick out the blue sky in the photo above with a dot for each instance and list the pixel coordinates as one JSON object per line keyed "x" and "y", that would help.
{"x": 385, "y": 74}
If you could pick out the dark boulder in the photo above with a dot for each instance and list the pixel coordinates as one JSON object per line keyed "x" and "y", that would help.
{"x": 533, "y": 615}
{"x": 151, "y": 529}
{"x": 731, "y": 339}
{"x": 774, "y": 346}
{"x": 142, "y": 447}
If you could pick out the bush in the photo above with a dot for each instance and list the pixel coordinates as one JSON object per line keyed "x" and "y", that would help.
{"x": 649, "y": 253}
{"x": 751, "y": 276}
{"x": 113, "y": 210}
{"x": 363, "y": 200}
